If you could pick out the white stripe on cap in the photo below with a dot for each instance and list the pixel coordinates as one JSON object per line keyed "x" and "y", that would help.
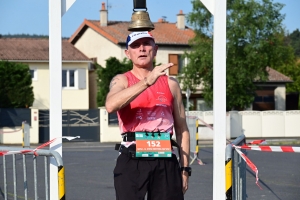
{"x": 138, "y": 35}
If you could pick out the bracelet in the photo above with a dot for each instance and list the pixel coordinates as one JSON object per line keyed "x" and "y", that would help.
{"x": 146, "y": 82}
{"x": 187, "y": 169}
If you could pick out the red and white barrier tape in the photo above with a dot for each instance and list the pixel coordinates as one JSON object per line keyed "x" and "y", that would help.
{"x": 209, "y": 126}
{"x": 250, "y": 164}
{"x": 3, "y": 153}
{"x": 258, "y": 142}
{"x": 288, "y": 149}
{"x": 206, "y": 124}
{"x": 14, "y": 131}
{"x": 2, "y": 132}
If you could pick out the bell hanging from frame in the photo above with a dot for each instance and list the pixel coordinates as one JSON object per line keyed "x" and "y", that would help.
{"x": 140, "y": 21}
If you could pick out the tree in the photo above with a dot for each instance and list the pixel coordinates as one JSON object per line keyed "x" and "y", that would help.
{"x": 254, "y": 29}
{"x": 105, "y": 75}
{"x": 287, "y": 64}
{"x": 293, "y": 39}
{"x": 15, "y": 85}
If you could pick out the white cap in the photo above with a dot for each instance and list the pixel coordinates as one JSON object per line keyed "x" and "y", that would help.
{"x": 137, "y": 35}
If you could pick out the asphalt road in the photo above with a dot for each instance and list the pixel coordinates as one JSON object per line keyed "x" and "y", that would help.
{"x": 89, "y": 174}
{"x": 89, "y": 166}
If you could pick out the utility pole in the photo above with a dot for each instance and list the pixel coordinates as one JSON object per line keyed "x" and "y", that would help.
{"x": 188, "y": 94}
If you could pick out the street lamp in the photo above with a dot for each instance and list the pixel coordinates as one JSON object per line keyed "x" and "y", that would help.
{"x": 187, "y": 94}
{"x": 140, "y": 20}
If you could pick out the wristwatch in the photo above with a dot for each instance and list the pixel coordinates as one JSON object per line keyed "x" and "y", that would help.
{"x": 187, "y": 169}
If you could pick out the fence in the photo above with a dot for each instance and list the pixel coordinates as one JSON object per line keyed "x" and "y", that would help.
{"x": 254, "y": 124}
{"x": 193, "y": 126}
{"x": 12, "y": 117}
{"x": 11, "y": 120}
{"x": 235, "y": 168}
{"x": 83, "y": 123}
{"x": 16, "y": 164}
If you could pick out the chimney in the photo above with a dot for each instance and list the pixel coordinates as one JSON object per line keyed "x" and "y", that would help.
{"x": 160, "y": 20}
{"x": 181, "y": 20}
{"x": 103, "y": 16}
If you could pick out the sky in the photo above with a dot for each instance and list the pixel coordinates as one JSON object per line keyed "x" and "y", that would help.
{"x": 31, "y": 16}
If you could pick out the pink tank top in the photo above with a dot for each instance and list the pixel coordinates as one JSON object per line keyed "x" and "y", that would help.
{"x": 151, "y": 110}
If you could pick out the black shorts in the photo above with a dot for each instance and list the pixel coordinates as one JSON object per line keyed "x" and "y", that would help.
{"x": 160, "y": 178}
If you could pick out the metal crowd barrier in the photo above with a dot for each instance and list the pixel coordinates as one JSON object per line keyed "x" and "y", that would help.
{"x": 34, "y": 173}
{"x": 193, "y": 126}
{"x": 235, "y": 168}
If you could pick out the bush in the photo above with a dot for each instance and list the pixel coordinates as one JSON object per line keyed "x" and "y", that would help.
{"x": 105, "y": 75}
{"x": 15, "y": 85}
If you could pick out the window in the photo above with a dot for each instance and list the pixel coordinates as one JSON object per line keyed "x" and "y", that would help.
{"x": 258, "y": 99}
{"x": 179, "y": 62}
{"x": 74, "y": 78}
{"x": 202, "y": 105}
{"x": 68, "y": 78}
{"x": 196, "y": 103}
{"x": 33, "y": 73}
{"x": 269, "y": 98}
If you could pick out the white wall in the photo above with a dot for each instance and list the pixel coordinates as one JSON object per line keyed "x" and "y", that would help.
{"x": 92, "y": 44}
{"x": 108, "y": 133}
{"x": 204, "y": 132}
{"x": 292, "y": 123}
{"x": 272, "y": 123}
{"x": 206, "y": 118}
{"x": 251, "y": 123}
{"x": 235, "y": 126}
{"x": 254, "y": 124}
{"x": 72, "y": 98}
{"x": 162, "y": 56}
{"x": 14, "y": 135}
{"x": 76, "y": 98}
{"x": 41, "y": 85}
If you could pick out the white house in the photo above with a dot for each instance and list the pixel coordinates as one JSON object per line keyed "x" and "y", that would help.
{"x": 101, "y": 39}
{"x": 75, "y": 71}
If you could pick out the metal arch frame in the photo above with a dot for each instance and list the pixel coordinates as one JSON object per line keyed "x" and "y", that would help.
{"x": 218, "y": 9}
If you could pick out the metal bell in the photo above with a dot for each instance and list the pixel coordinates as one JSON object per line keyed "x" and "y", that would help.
{"x": 140, "y": 21}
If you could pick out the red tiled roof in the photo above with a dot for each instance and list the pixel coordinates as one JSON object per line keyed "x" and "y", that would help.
{"x": 275, "y": 76}
{"x": 164, "y": 33}
{"x": 36, "y": 49}
{"x": 116, "y": 32}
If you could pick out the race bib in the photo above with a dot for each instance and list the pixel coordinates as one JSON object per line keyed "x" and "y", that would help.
{"x": 153, "y": 144}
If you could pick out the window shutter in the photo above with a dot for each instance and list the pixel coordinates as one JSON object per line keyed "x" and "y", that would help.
{"x": 81, "y": 79}
{"x": 173, "y": 58}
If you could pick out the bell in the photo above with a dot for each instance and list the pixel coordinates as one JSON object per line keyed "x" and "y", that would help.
{"x": 140, "y": 21}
